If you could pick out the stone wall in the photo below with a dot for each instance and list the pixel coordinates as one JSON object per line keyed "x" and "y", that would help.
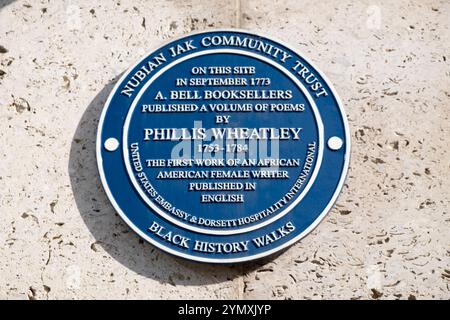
{"x": 387, "y": 237}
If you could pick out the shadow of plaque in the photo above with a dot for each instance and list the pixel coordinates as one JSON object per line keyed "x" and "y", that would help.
{"x": 4, "y": 3}
{"x": 113, "y": 235}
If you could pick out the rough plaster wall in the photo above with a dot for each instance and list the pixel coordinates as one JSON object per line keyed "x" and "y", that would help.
{"x": 388, "y": 235}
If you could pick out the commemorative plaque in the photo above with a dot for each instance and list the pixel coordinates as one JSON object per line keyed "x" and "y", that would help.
{"x": 223, "y": 146}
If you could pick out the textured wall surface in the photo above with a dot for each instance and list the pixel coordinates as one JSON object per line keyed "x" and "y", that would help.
{"x": 387, "y": 237}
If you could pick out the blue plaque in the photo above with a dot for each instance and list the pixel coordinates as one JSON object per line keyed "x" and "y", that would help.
{"x": 223, "y": 146}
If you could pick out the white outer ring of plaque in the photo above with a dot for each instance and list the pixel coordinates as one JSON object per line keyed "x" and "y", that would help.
{"x": 181, "y": 224}
{"x": 165, "y": 248}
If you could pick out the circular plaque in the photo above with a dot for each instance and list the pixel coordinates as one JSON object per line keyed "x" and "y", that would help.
{"x": 223, "y": 146}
